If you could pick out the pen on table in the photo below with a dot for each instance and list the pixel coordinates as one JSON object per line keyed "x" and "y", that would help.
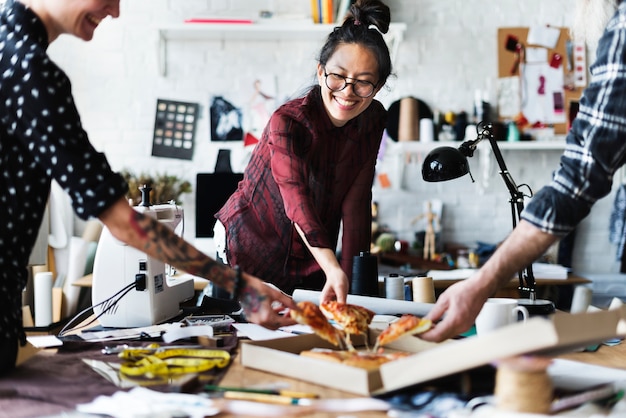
{"x": 265, "y": 398}
{"x": 281, "y": 392}
{"x": 594, "y": 394}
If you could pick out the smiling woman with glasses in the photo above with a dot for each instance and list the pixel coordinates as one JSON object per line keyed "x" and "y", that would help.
{"x": 313, "y": 169}
{"x": 361, "y": 88}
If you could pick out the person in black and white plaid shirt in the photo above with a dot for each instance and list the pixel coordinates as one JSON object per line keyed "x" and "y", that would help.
{"x": 595, "y": 149}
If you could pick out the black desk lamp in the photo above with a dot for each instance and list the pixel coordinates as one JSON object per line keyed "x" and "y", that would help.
{"x": 447, "y": 163}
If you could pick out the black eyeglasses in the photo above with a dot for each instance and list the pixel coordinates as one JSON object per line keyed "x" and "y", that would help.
{"x": 361, "y": 88}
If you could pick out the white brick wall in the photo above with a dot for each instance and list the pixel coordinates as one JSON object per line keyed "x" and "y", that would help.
{"x": 448, "y": 52}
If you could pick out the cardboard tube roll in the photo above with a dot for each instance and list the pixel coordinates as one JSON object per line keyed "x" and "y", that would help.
{"x": 408, "y": 124}
{"x": 380, "y": 306}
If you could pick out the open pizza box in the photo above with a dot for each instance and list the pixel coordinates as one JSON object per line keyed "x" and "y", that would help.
{"x": 551, "y": 336}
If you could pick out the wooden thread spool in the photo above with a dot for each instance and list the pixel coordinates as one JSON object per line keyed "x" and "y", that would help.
{"x": 408, "y": 123}
{"x": 523, "y": 385}
{"x": 423, "y": 289}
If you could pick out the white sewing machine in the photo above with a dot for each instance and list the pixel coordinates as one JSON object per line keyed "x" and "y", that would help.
{"x": 117, "y": 266}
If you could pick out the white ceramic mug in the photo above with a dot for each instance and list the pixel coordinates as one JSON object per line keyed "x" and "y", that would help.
{"x": 497, "y": 313}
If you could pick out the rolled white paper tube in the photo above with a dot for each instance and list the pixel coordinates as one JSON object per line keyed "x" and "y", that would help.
{"x": 43, "y": 299}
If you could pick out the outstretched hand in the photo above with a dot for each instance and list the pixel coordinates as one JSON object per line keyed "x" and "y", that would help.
{"x": 262, "y": 304}
{"x": 336, "y": 287}
{"x": 455, "y": 311}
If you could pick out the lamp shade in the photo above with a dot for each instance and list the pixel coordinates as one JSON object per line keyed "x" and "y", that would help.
{"x": 444, "y": 163}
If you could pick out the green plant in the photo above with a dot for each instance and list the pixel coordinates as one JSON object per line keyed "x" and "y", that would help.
{"x": 165, "y": 187}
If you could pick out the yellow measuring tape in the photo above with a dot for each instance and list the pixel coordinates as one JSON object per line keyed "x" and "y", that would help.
{"x": 153, "y": 361}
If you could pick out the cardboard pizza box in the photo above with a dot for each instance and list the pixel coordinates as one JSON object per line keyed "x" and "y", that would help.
{"x": 551, "y": 336}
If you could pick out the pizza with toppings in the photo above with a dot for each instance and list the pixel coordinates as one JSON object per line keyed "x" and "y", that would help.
{"x": 310, "y": 314}
{"x": 407, "y": 325}
{"x": 364, "y": 360}
{"x": 353, "y": 319}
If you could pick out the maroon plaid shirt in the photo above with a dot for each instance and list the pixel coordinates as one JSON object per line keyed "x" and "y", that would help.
{"x": 305, "y": 171}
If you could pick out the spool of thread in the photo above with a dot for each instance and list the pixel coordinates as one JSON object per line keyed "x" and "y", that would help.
{"x": 408, "y": 122}
{"x": 512, "y": 132}
{"x": 394, "y": 287}
{"x": 364, "y": 275}
{"x": 581, "y": 299}
{"x": 42, "y": 283}
{"x": 427, "y": 130}
{"x": 523, "y": 385}
{"x": 423, "y": 289}
{"x": 470, "y": 132}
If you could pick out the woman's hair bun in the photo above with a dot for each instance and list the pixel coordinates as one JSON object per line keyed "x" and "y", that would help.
{"x": 369, "y": 12}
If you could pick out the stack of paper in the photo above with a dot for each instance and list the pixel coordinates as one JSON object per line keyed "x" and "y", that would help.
{"x": 456, "y": 274}
{"x": 549, "y": 271}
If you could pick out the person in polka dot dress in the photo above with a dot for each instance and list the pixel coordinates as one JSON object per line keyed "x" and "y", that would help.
{"x": 41, "y": 139}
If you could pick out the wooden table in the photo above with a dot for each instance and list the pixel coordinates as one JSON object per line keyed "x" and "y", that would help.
{"x": 605, "y": 356}
{"x": 245, "y": 377}
{"x": 239, "y": 376}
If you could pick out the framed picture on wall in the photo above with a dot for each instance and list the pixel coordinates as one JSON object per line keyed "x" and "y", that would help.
{"x": 174, "y": 129}
{"x": 226, "y": 120}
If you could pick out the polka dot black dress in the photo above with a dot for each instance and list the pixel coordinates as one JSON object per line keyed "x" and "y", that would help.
{"x": 41, "y": 139}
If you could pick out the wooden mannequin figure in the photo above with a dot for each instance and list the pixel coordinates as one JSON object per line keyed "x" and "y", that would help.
{"x": 432, "y": 222}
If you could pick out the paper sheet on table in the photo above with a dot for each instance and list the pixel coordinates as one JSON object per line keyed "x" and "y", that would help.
{"x": 575, "y": 375}
{"x": 128, "y": 333}
{"x": 258, "y": 333}
{"x": 44, "y": 341}
{"x": 111, "y": 372}
{"x": 456, "y": 274}
{"x": 142, "y": 402}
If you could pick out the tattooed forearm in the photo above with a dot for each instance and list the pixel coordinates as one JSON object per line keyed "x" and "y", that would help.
{"x": 159, "y": 241}
{"x": 252, "y": 300}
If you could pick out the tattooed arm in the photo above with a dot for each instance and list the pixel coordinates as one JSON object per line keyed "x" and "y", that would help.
{"x": 159, "y": 241}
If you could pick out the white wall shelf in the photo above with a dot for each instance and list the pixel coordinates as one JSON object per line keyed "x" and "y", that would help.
{"x": 555, "y": 144}
{"x": 266, "y": 31}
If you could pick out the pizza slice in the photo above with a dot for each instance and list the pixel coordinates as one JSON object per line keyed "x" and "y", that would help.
{"x": 407, "y": 325}
{"x": 310, "y": 314}
{"x": 353, "y": 319}
{"x": 363, "y": 360}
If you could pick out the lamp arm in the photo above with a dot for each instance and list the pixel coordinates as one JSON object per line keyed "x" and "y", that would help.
{"x": 526, "y": 277}
{"x": 467, "y": 149}
{"x": 504, "y": 171}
